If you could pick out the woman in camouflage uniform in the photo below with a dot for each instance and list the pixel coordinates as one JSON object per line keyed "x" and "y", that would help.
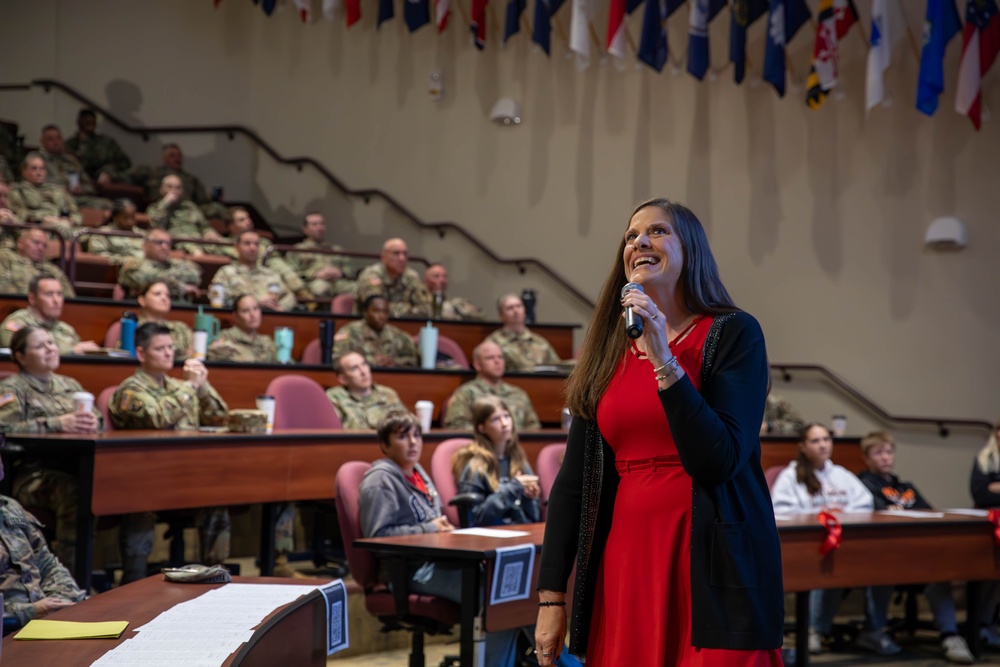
{"x": 243, "y": 342}
{"x": 154, "y": 303}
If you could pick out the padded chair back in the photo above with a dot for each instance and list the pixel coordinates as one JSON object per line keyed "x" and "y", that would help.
{"x": 118, "y": 292}
{"x": 347, "y": 487}
{"x": 102, "y": 401}
{"x": 771, "y": 474}
{"x": 342, "y": 304}
{"x": 300, "y": 402}
{"x": 312, "y": 354}
{"x": 4, "y": 374}
{"x": 113, "y": 334}
{"x": 547, "y": 467}
{"x": 443, "y": 477}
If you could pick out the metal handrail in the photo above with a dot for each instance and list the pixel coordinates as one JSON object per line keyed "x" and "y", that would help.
{"x": 366, "y": 194}
{"x": 941, "y": 423}
{"x": 286, "y": 248}
{"x": 92, "y": 231}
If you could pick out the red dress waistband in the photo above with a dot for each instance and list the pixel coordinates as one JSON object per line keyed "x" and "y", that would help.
{"x": 665, "y": 462}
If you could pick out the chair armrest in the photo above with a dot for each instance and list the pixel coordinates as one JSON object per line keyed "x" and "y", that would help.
{"x": 465, "y": 502}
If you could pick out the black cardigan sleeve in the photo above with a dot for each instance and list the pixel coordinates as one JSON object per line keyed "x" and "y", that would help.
{"x": 717, "y": 431}
{"x": 562, "y": 523}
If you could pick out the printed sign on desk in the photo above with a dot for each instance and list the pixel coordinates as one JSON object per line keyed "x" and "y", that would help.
{"x": 335, "y": 595}
{"x": 512, "y": 573}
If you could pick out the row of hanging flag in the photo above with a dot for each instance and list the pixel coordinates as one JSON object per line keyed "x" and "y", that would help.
{"x": 980, "y": 38}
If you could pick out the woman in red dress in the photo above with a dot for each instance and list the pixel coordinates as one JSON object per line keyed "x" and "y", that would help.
{"x": 661, "y": 503}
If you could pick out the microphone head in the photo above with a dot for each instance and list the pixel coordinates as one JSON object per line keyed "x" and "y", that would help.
{"x": 632, "y": 287}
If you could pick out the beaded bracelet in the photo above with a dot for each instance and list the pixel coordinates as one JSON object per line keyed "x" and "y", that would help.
{"x": 552, "y": 603}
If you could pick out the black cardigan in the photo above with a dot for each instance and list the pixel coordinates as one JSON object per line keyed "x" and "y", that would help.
{"x": 737, "y": 599}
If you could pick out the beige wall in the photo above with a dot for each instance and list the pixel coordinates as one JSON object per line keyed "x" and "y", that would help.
{"x": 816, "y": 218}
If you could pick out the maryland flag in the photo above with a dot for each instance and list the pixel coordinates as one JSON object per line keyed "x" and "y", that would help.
{"x": 835, "y": 18}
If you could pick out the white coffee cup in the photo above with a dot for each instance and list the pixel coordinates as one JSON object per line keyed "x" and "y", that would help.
{"x": 425, "y": 413}
{"x": 266, "y": 405}
{"x": 83, "y": 401}
{"x": 838, "y": 424}
{"x": 200, "y": 344}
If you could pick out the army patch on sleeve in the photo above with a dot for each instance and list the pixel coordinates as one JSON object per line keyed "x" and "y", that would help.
{"x": 127, "y": 400}
{"x": 6, "y": 398}
{"x": 14, "y": 326}
{"x": 374, "y": 280}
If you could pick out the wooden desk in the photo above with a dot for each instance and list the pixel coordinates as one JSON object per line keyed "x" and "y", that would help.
{"x": 293, "y": 635}
{"x": 92, "y": 317}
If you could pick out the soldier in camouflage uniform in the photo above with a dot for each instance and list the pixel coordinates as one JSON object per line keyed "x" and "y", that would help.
{"x": 780, "y": 417}
{"x": 150, "y": 178}
{"x": 64, "y": 169}
{"x": 32, "y": 580}
{"x": 359, "y": 402}
{"x": 442, "y": 306}
{"x": 247, "y": 277}
{"x": 324, "y": 273}
{"x": 392, "y": 279}
{"x": 522, "y": 349}
{"x": 381, "y": 343}
{"x": 182, "y": 276}
{"x": 487, "y": 359}
{"x": 155, "y": 306}
{"x": 118, "y": 249}
{"x": 35, "y": 201}
{"x": 45, "y": 304}
{"x": 18, "y": 268}
{"x": 243, "y": 342}
{"x": 6, "y": 175}
{"x": 96, "y": 152}
{"x": 151, "y": 399}
{"x": 8, "y": 236}
{"x": 180, "y": 216}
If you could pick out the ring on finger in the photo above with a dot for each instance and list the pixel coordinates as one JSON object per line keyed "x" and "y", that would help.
{"x": 653, "y": 316}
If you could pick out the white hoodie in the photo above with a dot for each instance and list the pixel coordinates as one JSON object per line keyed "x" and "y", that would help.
{"x": 840, "y": 490}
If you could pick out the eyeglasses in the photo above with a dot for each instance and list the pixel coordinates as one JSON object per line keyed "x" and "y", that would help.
{"x": 159, "y": 242}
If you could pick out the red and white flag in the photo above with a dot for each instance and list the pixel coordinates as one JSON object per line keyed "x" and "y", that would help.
{"x": 352, "y": 10}
{"x": 442, "y": 10}
{"x": 980, "y": 44}
{"x": 305, "y": 9}
{"x": 616, "y": 29}
{"x": 332, "y": 9}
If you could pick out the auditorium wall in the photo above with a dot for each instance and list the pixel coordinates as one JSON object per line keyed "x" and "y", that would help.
{"x": 817, "y": 218}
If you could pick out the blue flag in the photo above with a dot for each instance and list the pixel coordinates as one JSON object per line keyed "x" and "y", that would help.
{"x": 632, "y": 5}
{"x": 940, "y": 25}
{"x": 653, "y": 40}
{"x": 269, "y": 6}
{"x": 513, "y": 23}
{"x": 385, "y": 12}
{"x": 542, "y": 30}
{"x": 702, "y": 12}
{"x": 416, "y": 13}
{"x": 784, "y": 19}
{"x": 744, "y": 12}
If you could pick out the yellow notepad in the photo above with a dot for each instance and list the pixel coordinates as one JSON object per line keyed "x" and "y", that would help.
{"x": 37, "y": 629}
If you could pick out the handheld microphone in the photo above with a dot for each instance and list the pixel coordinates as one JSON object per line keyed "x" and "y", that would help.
{"x": 633, "y": 323}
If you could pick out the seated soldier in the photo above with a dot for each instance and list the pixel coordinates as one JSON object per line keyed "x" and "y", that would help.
{"x": 180, "y": 216}
{"x": 381, "y": 343}
{"x": 118, "y": 249}
{"x": 889, "y": 493}
{"x": 32, "y": 580}
{"x": 45, "y": 305}
{"x": 522, "y": 348}
{"x": 487, "y": 359}
{"x": 96, "y": 152}
{"x": 182, "y": 276}
{"x": 359, "y": 402}
{"x": 65, "y": 170}
{"x": 18, "y": 267}
{"x": 243, "y": 342}
{"x": 323, "y": 274}
{"x": 154, "y": 306}
{"x": 151, "y": 399}
{"x": 780, "y": 417}
{"x": 248, "y": 277}
{"x": 34, "y": 200}
{"x": 393, "y": 280}
{"x": 443, "y": 306}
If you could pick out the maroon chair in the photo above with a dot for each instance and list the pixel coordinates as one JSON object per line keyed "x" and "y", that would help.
{"x": 113, "y": 335}
{"x": 102, "y": 401}
{"x": 342, "y": 304}
{"x": 451, "y": 348}
{"x": 399, "y": 610}
{"x": 443, "y": 477}
{"x": 547, "y": 467}
{"x": 312, "y": 354}
{"x": 771, "y": 474}
{"x": 300, "y": 402}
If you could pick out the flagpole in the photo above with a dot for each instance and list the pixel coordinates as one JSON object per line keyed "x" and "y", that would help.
{"x": 909, "y": 33}
{"x": 593, "y": 36}
{"x": 560, "y": 30}
{"x": 492, "y": 21}
{"x": 524, "y": 23}
{"x": 465, "y": 16}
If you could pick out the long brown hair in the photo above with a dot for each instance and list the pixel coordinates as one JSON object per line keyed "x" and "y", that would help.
{"x": 605, "y": 342}
{"x": 480, "y": 454}
{"x": 805, "y": 471}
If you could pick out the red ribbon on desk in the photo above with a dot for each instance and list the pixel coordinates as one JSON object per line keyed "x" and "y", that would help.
{"x": 833, "y": 532}
{"x": 995, "y": 520}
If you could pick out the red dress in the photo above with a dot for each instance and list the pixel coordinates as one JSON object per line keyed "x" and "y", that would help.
{"x": 642, "y": 605}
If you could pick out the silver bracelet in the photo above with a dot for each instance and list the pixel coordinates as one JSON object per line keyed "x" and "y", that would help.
{"x": 662, "y": 374}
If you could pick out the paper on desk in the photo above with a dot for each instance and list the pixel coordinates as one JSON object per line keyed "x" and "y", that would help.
{"x": 916, "y": 514}
{"x": 489, "y": 532}
{"x": 39, "y": 629}
{"x": 969, "y": 512}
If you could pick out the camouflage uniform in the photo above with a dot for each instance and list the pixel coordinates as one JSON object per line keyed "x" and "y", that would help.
{"x": 136, "y": 273}
{"x": 180, "y": 333}
{"x": 5, "y": 172}
{"x": 118, "y": 249}
{"x": 361, "y": 338}
{"x": 141, "y": 402}
{"x": 29, "y": 572}
{"x": 16, "y": 271}
{"x": 99, "y": 153}
{"x": 363, "y": 412}
{"x": 234, "y": 344}
{"x": 274, "y": 261}
{"x": 457, "y": 308}
{"x": 307, "y": 265}
{"x": 185, "y": 219}
{"x": 261, "y": 281}
{"x": 59, "y": 168}
{"x": 31, "y": 405}
{"x": 407, "y": 295}
{"x": 150, "y": 178}
{"x": 459, "y": 407}
{"x": 523, "y": 351}
{"x": 31, "y": 203}
{"x": 64, "y": 335}
{"x": 781, "y": 417}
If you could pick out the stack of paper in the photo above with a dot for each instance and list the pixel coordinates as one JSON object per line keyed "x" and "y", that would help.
{"x": 39, "y": 629}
